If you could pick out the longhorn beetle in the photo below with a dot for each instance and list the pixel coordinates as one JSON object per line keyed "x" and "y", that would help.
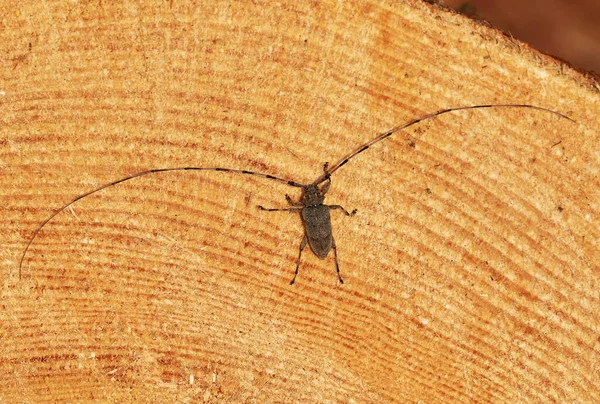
{"x": 314, "y": 214}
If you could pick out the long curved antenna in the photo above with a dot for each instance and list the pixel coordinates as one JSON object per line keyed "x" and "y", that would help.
{"x": 140, "y": 174}
{"x": 390, "y": 132}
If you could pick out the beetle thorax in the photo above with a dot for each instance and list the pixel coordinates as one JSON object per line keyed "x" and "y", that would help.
{"x": 312, "y": 196}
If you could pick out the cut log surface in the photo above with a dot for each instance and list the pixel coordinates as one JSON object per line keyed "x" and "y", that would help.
{"x": 472, "y": 268}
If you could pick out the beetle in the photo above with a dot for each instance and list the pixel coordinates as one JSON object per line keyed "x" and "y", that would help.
{"x": 317, "y": 222}
{"x": 314, "y": 213}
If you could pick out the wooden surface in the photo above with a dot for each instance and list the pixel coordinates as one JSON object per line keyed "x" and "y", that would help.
{"x": 472, "y": 267}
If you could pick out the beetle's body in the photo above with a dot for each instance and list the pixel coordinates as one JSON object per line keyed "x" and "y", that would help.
{"x": 317, "y": 229}
{"x": 316, "y": 219}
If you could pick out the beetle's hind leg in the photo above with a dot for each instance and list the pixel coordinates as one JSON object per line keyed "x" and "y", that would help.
{"x": 337, "y": 265}
{"x": 302, "y": 247}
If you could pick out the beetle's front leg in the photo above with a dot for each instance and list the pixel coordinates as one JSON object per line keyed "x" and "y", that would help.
{"x": 291, "y": 202}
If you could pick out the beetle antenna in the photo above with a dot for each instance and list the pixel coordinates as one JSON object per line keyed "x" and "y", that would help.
{"x": 390, "y": 132}
{"x": 140, "y": 174}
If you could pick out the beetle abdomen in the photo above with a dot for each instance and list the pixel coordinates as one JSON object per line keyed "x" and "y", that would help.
{"x": 317, "y": 225}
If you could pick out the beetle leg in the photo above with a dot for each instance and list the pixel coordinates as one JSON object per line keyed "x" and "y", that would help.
{"x": 302, "y": 246}
{"x": 342, "y": 208}
{"x": 325, "y": 187}
{"x": 294, "y": 210}
{"x": 337, "y": 266}
{"x": 291, "y": 202}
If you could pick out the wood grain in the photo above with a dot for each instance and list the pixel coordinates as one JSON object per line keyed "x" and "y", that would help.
{"x": 472, "y": 267}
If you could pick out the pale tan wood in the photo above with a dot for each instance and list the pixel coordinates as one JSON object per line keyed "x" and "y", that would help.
{"x": 471, "y": 267}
